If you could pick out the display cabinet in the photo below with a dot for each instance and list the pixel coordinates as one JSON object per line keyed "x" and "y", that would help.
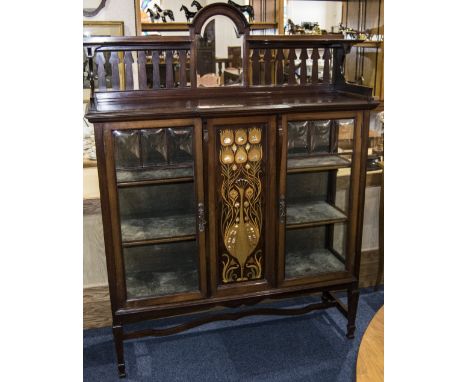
{"x": 226, "y": 193}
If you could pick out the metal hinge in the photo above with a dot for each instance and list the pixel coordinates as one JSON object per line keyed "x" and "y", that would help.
{"x": 201, "y": 217}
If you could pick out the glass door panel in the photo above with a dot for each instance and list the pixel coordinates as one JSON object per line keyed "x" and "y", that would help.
{"x": 159, "y": 198}
{"x": 318, "y": 157}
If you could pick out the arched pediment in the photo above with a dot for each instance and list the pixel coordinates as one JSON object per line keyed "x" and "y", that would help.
{"x": 223, "y": 9}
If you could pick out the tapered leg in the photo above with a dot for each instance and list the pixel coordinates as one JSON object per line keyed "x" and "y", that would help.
{"x": 353, "y": 298}
{"x": 118, "y": 340}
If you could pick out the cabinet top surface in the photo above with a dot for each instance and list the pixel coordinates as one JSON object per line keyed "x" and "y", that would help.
{"x": 261, "y": 102}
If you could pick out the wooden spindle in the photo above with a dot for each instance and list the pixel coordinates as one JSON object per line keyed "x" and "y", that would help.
{"x": 279, "y": 67}
{"x": 256, "y": 67}
{"x": 338, "y": 62}
{"x": 304, "y": 56}
{"x": 156, "y": 75}
{"x": 169, "y": 70}
{"x": 128, "y": 62}
{"x": 114, "y": 61}
{"x": 292, "y": 69}
{"x": 182, "y": 65}
{"x": 315, "y": 57}
{"x": 326, "y": 66}
{"x": 142, "y": 81}
{"x": 267, "y": 59}
{"x": 101, "y": 71}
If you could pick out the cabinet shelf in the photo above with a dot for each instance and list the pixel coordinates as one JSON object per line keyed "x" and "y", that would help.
{"x": 127, "y": 178}
{"x": 317, "y": 163}
{"x": 312, "y": 262}
{"x": 158, "y": 229}
{"x": 151, "y": 182}
{"x": 183, "y": 26}
{"x": 313, "y": 214}
{"x": 150, "y": 283}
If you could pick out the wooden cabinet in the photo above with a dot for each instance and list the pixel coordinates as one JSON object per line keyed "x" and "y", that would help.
{"x": 226, "y": 196}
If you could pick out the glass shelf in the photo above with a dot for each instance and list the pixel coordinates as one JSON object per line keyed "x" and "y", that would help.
{"x": 128, "y": 176}
{"x": 156, "y": 212}
{"x": 317, "y": 163}
{"x": 158, "y": 228}
{"x": 316, "y": 212}
{"x": 160, "y": 270}
{"x": 310, "y": 263}
{"x": 311, "y": 251}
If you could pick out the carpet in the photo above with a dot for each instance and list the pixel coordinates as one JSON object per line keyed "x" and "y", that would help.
{"x": 311, "y": 347}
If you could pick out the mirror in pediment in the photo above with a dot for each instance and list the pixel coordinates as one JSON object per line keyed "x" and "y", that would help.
{"x": 219, "y": 53}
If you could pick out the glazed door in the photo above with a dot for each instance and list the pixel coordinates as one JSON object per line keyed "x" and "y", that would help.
{"x": 320, "y": 159}
{"x": 241, "y": 178}
{"x": 157, "y": 210}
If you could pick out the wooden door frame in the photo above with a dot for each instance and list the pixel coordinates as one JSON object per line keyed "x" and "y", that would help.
{"x": 111, "y": 215}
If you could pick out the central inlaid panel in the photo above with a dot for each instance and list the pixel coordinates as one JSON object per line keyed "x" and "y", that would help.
{"x": 241, "y": 203}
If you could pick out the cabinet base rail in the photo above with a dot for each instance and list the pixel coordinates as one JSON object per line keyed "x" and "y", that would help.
{"x": 329, "y": 300}
{"x": 231, "y": 317}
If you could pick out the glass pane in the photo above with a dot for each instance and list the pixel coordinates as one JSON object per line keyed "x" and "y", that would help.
{"x": 314, "y": 251}
{"x": 320, "y": 143}
{"x": 298, "y": 141}
{"x": 158, "y": 211}
{"x": 320, "y": 136}
{"x": 163, "y": 269}
{"x": 181, "y": 145}
{"x": 376, "y": 140}
{"x": 154, "y": 147}
{"x": 312, "y": 197}
{"x": 147, "y": 154}
{"x": 345, "y": 135}
{"x": 127, "y": 149}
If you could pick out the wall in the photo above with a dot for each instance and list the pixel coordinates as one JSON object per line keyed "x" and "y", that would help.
{"x": 326, "y": 13}
{"x": 115, "y": 10}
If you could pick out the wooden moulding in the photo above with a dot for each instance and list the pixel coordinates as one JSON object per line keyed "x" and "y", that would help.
{"x": 181, "y": 26}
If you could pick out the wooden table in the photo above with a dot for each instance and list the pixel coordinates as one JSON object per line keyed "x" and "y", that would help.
{"x": 370, "y": 362}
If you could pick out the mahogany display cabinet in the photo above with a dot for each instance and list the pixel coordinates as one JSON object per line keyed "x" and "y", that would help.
{"x": 217, "y": 195}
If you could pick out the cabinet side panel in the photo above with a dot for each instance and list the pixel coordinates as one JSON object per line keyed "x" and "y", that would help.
{"x": 106, "y": 218}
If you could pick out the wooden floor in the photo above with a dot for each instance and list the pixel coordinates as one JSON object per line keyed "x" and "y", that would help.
{"x": 370, "y": 362}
